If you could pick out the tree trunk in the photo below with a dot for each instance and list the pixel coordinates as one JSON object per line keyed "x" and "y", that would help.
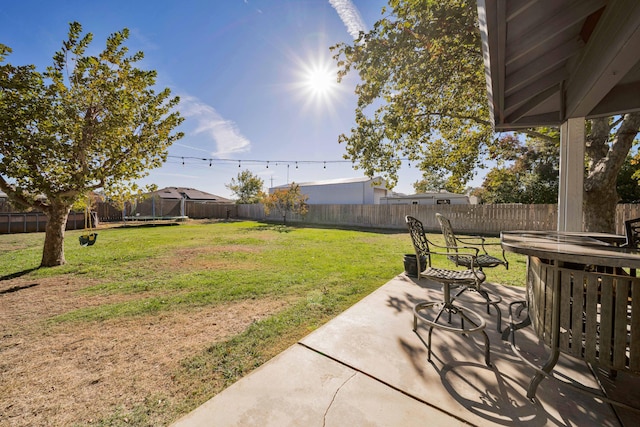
{"x": 53, "y": 253}
{"x": 600, "y": 209}
{"x": 604, "y": 163}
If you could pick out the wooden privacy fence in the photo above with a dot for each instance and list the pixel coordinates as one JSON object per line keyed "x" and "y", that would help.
{"x": 195, "y": 210}
{"x": 31, "y": 222}
{"x": 466, "y": 219}
{"x": 469, "y": 219}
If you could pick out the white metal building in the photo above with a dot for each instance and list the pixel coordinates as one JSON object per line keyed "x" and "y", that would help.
{"x": 347, "y": 191}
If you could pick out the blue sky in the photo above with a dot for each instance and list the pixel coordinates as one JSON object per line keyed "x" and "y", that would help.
{"x": 243, "y": 70}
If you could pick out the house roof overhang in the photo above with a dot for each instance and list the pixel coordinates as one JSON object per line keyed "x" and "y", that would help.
{"x": 550, "y": 60}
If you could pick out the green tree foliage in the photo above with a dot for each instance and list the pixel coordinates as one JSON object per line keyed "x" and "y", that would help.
{"x": 422, "y": 92}
{"x": 286, "y": 201}
{"x": 531, "y": 177}
{"x": 423, "y": 96}
{"x": 126, "y": 194}
{"x": 248, "y": 188}
{"x": 86, "y": 122}
{"x": 628, "y": 183}
{"x": 430, "y": 182}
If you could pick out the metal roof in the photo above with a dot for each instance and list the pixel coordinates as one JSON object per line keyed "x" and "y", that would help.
{"x": 550, "y": 60}
{"x": 336, "y": 181}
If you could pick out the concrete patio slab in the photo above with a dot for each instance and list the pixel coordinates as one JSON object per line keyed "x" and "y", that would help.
{"x": 300, "y": 387}
{"x": 367, "y": 367}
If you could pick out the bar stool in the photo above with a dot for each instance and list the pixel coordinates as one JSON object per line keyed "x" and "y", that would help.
{"x": 450, "y": 279}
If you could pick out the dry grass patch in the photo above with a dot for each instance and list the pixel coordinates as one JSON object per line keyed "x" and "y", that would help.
{"x": 210, "y": 258}
{"x": 64, "y": 374}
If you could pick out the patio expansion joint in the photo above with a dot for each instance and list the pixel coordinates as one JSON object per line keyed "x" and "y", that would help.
{"x": 387, "y": 384}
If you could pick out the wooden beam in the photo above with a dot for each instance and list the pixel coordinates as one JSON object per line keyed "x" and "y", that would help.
{"x": 622, "y": 99}
{"x": 611, "y": 52}
{"x": 517, "y": 99}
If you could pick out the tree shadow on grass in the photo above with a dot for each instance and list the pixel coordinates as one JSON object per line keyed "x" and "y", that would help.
{"x": 17, "y": 288}
{"x": 18, "y": 274}
{"x": 280, "y": 228}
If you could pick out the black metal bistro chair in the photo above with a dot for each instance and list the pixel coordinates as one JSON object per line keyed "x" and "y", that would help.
{"x": 450, "y": 279}
{"x": 483, "y": 260}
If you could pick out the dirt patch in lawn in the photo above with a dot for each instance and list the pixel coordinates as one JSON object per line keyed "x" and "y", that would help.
{"x": 209, "y": 258}
{"x": 79, "y": 373}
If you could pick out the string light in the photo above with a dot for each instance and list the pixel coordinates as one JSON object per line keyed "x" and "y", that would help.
{"x": 188, "y": 159}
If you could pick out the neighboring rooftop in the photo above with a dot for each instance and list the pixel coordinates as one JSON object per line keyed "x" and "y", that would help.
{"x": 189, "y": 194}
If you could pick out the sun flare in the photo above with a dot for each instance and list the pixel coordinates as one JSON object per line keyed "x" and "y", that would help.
{"x": 320, "y": 81}
{"x": 316, "y": 82}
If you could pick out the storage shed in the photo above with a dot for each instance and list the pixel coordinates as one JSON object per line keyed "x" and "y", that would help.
{"x": 430, "y": 198}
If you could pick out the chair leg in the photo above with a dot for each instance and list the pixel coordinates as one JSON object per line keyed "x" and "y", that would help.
{"x": 513, "y": 327}
{"x": 429, "y": 343}
{"x": 490, "y": 303}
{"x": 487, "y": 348}
{"x": 460, "y": 292}
{"x": 478, "y": 325}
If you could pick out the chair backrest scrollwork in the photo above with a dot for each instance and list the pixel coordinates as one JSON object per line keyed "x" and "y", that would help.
{"x": 419, "y": 240}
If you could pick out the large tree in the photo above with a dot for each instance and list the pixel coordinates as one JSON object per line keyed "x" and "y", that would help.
{"x": 609, "y": 141}
{"x": 248, "y": 187}
{"x": 531, "y": 174}
{"x": 431, "y": 181}
{"x": 86, "y": 122}
{"x": 422, "y": 96}
{"x": 422, "y": 92}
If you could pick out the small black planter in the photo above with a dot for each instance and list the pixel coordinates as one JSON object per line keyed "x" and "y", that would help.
{"x": 410, "y": 267}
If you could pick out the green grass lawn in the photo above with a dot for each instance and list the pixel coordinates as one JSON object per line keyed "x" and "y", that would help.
{"x": 319, "y": 272}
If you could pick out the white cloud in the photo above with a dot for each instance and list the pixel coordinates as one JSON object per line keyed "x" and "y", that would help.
{"x": 224, "y": 133}
{"x": 350, "y": 16}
